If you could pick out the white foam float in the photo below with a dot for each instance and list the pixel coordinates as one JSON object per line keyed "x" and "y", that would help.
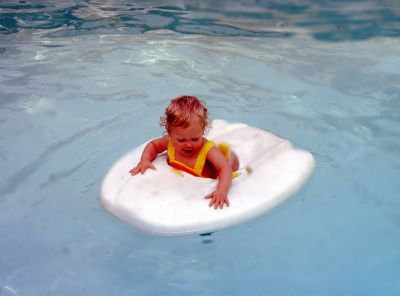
{"x": 162, "y": 202}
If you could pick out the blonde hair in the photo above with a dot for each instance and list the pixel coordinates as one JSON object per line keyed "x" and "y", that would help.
{"x": 181, "y": 109}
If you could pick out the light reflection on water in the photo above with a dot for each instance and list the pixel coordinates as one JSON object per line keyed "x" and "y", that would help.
{"x": 325, "y": 20}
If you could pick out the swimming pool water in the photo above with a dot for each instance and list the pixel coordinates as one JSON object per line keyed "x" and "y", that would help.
{"x": 82, "y": 83}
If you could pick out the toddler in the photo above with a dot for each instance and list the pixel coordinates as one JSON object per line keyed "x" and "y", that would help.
{"x": 188, "y": 150}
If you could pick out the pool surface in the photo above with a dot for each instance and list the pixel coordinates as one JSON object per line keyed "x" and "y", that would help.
{"x": 84, "y": 82}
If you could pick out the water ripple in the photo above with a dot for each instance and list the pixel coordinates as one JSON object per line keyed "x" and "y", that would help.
{"x": 12, "y": 183}
{"x": 328, "y": 21}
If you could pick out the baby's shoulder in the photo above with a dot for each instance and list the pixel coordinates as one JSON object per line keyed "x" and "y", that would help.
{"x": 207, "y": 141}
{"x": 161, "y": 143}
{"x": 209, "y": 147}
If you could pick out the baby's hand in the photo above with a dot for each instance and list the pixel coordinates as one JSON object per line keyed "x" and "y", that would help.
{"x": 218, "y": 199}
{"x": 141, "y": 167}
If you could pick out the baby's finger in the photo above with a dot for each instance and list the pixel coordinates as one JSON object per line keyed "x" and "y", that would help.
{"x": 212, "y": 202}
{"x": 227, "y": 202}
{"x": 208, "y": 196}
{"x": 152, "y": 166}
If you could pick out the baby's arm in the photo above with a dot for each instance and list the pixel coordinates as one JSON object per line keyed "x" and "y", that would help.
{"x": 150, "y": 152}
{"x": 224, "y": 170}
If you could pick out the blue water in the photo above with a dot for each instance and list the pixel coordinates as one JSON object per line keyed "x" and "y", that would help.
{"x": 83, "y": 82}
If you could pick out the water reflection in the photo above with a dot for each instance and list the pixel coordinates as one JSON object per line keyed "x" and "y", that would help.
{"x": 327, "y": 21}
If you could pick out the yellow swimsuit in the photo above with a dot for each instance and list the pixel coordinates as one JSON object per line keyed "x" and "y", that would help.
{"x": 200, "y": 161}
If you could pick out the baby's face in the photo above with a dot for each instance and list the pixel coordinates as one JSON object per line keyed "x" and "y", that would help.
{"x": 188, "y": 141}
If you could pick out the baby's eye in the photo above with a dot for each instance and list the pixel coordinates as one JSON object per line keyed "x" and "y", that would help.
{"x": 195, "y": 139}
{"x": 181, "y": 140}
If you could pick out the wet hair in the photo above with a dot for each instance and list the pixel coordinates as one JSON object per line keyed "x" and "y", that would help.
{"x": 181, "y": 109}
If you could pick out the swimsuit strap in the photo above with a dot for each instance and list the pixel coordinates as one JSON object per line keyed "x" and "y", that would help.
{"x": 200, "y": 161}
{"x": 201, "y": 158}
